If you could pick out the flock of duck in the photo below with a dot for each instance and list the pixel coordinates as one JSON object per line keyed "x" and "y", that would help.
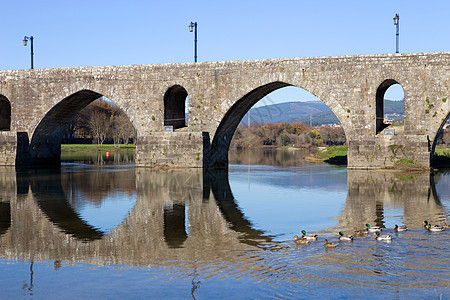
{"x": 376, "y": 230}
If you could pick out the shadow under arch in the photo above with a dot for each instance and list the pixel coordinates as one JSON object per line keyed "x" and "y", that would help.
{"x": 52, "y": 200}
{"x": 5, "y": 113}
{"x": 218, "y": 182}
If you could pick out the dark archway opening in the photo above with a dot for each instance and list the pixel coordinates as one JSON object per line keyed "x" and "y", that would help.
{"x": 390, "y": 106}
{"x": 175, "y": 100}
{"x": 5, "y": 114}
{"x": 440, "y": 149}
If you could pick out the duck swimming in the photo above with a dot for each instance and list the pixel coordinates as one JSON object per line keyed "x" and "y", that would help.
{"x": 434, "y": 228}
{"x": 373, "y": 228}
{"x": 385, "y": 237}
{"x": 343, "y": 237}
{"x": 309, "y": 237}
{"x": 329, "y": 244}
{"x": 361, "y": 232}
{"x": 298, "y": 240}
{"x": 401, "y": 228}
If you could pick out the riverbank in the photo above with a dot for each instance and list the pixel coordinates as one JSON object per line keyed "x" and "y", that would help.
{"x": 337, "y": 155}
{"x": 95, "y": 147}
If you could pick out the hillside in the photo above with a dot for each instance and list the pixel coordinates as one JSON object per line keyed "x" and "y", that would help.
{"x": 314, "y": 112}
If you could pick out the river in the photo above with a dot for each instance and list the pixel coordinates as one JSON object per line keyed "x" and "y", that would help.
{"x": 100, "y": 228}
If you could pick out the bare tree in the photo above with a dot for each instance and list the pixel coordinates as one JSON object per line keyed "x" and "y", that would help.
{"x": 99, "y": 124}
{"x": 126, "y": 129}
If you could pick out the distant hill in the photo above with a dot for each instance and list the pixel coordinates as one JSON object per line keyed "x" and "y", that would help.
{"x": 316, "y": 112}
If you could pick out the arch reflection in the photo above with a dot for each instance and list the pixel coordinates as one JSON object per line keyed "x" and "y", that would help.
{"x": 5, "y": 217}
{"x": 7, "y": 187}
{"x": 50, "y": 196}
{"x": 220, "y": 186}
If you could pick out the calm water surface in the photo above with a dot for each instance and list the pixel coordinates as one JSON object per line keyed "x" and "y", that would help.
{"x": 101, "y": 228}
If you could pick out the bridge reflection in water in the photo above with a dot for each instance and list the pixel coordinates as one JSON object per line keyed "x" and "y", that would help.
{"x": 179, "y": 215}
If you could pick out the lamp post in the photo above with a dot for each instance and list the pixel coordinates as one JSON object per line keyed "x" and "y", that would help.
{"x": 193, "y": 27}
{"x": 396, "y": 19}
{"x": 25, "y": 40}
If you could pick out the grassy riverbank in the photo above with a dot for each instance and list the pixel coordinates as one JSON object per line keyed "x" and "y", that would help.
{"x": 441, "y": 158}
{"x": 95, "y": 147}
{"x": 337, "y": 155}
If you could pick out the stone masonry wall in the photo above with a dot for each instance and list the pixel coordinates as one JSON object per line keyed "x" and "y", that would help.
{"x": 8, "y": 146}
{"x": 182, "y": 149}
{"x": 221, "y": 92}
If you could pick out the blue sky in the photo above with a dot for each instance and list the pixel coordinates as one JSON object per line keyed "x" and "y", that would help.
{"x": 97, "y": 33}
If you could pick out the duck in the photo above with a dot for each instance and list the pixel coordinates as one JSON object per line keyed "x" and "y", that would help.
{"x": 434, "y": 228}
{"x": 373, "y": 228}
{"x": 384, "y": 237}
{"x": 298, "y": 240}
{"x": 343, "y": 237}
{"x": 400, "y": 228}
{"x": 328, "y": 244}
{"x": 309, "y": 237}
{"x": 425, "y": 224}
{"x": 445, "y": 225}
{"x": 361, "y": 232}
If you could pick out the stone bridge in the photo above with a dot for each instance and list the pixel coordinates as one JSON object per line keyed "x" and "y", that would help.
{"x": 36, "y": 104}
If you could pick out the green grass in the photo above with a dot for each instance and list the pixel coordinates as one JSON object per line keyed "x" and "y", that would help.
{"x": 408, "y": 165}
{"x": 332, "y": 151}
{"x": 441, "y": 158}
{"x": 95, "y": 147}
{"x": 442, "y": 151}
{"x": 336, "y": 155}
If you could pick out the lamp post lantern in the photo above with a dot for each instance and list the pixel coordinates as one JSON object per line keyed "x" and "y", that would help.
{"x": 25, "y": 40}
{"x": 396, "y": 23}
{"x": 193, "y": 27}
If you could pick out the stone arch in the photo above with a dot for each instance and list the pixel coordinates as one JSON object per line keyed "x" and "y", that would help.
{"x": 379, "y": 103}
{"x": 45, "y": 145}
{"x": 217, "y": 154}
{"x": 5, "y": 114}
{"x": 174, "y": 107}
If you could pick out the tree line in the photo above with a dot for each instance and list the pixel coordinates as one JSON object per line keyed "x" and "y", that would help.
{"x": 100, "y": 122}
{"x": 299, "y": 134}
{"x": 282, "y": 134}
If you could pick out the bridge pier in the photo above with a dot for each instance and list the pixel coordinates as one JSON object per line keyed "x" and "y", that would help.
{"x": 171, "y": 149}
{"x": 383, "y": 151}
{"x": 8, "y": 146}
